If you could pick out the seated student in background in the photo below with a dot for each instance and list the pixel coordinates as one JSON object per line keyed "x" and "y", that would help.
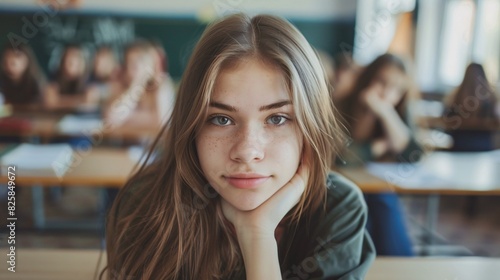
{"x": 375, "y": 112}
{"x": 21, "y": 80}
{"x": 468, "y": 107}
{"x": 328, "y": 65}
{"x": 162, "y": 55}
{"x": 144, "y": 94}
{"x": 105, "y": 70}
{"x": 341, "y": 73}
{"x": 241, "y": 187}
{"x": 69, "y": 88}
{"x": 346, "y": 73}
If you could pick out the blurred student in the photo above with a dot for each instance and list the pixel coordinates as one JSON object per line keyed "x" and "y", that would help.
{"x": 375, "y": 112}
{"x": 328, "y": 65}
{"x": 21, "y": 85}
{"x": 21, "y": 80}
{"x": 473, "y": 103}
{"x": 144, "y": 94}
{"x": 341, "y": 72}
{"x": 105, "y": 70}
{"x": 346, "y": 73}
{"x": 162, "y": 55}
{"x": 69, "y": 89}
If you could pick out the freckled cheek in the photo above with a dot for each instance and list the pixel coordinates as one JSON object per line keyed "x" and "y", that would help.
{"x": 211, "y": 146}
{"x": 285, "y": 147}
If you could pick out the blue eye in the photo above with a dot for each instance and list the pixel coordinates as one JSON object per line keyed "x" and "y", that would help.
{"x": 277, "y": 120}
{"x": 220, "y": 120}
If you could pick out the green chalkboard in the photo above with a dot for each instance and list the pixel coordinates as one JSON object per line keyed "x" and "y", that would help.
{"x": 47, "y": 33}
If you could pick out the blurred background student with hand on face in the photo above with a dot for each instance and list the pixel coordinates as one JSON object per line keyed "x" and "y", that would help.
{"x": 144, "y": 94}
{"x": 376, "y": 115}
{"x": 21, "y": 80}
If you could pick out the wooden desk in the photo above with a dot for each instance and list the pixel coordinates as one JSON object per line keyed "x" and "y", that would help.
{"x": 369, "y": 183}
{"x": 441, "y": 173}
{"x": 463, "y": 124}
{"x": 455, "y": 173}
{"x": 45, "y": 126}
{"x": 101, "y": 167}
{"x": 111, "y": 167}
{"x": 465, "y": 268}
{"x": 61, "y": 264}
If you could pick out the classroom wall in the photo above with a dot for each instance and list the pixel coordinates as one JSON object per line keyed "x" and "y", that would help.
{"x": 317, "y": 9}
{"x": 48, "y": 31}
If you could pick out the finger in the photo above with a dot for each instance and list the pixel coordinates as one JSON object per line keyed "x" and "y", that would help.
{"x": 287, "y": 197}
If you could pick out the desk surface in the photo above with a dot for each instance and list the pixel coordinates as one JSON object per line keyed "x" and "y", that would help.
{"x": 46, "y": 126}
{"x": 112, "y": 167}
{"x": 63, "y": 264}
{"x": 97, "y": 168}
{"x": 454, "y": 123}
{"x": 439, "y": 173}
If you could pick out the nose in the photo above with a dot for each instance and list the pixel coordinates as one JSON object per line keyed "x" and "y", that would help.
{"x": 249, "y": 143}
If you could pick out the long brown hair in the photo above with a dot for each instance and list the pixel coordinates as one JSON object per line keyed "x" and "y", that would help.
{"x": 364, "y": 80}
{"x": 28, "y": 89}
{"x": 166, "y": 223}
{"x": 475, "y": 95}
{"x": 76, "y": 85}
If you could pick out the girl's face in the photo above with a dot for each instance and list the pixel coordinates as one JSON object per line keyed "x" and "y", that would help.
{"x": 15, "y": 63}
{"x": 104, "y": 64}
{"x": 138, "y": 63}
{"x": 74, "y": 64}
{"x": 250, "y": 145}
{"x": 392, "y": 83}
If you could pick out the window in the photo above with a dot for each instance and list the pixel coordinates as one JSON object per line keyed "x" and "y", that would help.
{"x": 456, "y": 41}
{"x": 450, "y": 35}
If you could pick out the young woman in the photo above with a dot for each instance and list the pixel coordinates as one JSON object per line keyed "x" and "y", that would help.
{"x": 376, "y": 115}
{"x": 105, "y": 67}
{"x": 104, "y": 71}
{"x": 346, "y": 73}
{"x": 468, "y": 108}
{"x": 21, "y": 80}
{"x": 145, "y": 94}
{"x": 69, "y": 89}
{"x": 240, "y": 185}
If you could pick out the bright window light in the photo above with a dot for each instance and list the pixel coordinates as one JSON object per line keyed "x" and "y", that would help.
{"x": 456, "y": 41}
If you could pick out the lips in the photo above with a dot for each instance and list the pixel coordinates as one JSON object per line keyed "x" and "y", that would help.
{"x": 246, "y": 180}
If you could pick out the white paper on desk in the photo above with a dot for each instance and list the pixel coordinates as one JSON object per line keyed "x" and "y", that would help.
{"x": 38, "y": 160}
{"x": 139, "y": 154}
{"x": 71, "y": 124}
{"x": 407, "y": 175}
{"x": 466, "y": 170}
{"x": 495, "y": 155}
{"x": 450, "y": 170}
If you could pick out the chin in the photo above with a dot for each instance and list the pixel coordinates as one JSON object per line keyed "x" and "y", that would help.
{"x": 248, "y": 205}
{"x": 247, "y": 208}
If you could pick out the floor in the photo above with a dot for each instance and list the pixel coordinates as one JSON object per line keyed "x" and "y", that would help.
{"x": 465, "y": 226}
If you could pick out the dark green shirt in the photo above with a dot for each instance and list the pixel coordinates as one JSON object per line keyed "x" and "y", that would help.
{"x": 334, "y": 244}
{"x": 337, "y": 246}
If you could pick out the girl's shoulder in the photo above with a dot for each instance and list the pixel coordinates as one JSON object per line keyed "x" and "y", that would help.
{"x": 342, "y": 192}
{"x": 339, "y": 244}
{"x": 345, "y": 207}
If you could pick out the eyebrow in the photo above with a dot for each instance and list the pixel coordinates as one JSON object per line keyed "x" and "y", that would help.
{"x": 229, "y": 108}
